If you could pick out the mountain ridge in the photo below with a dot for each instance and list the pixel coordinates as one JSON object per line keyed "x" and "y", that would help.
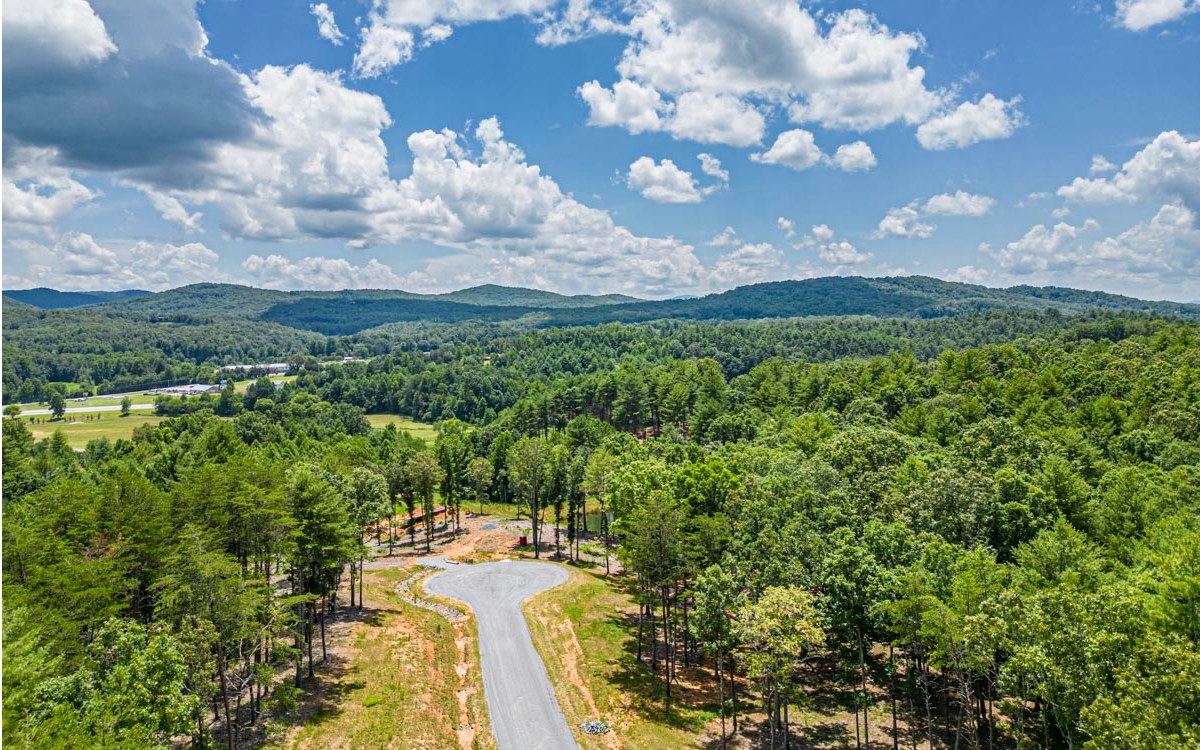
{"x": 46, "y": 298}
{"x": 350, "y": 311}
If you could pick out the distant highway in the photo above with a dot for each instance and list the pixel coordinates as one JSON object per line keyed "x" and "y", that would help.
{"x": 83, "y": 409}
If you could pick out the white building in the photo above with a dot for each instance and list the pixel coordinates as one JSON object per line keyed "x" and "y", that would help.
{"x": 271, "y": 368}
{"x": 192, "y": 389}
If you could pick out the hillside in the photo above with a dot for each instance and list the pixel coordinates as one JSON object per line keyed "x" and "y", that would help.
{"x": 165, "y": 336}
{"x": 349, "y": 311}
{"x": 52, "y": 299}
{"x": 216, "y": 300}
{"x": 494, "y": 295}
{"x": 912, "y": 296}
{"x": 342, "y": 315}
{"x": 382, "y": 305}
{"x": 906, "y": 296}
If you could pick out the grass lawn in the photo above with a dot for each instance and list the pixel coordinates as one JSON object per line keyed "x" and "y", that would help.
{"x": 399, "y": 685}
{"x": 420, "y": 430}
{"x": 240, "y": 386}
{"x": 137, "y": 398}
{"x": 107, "y": 424}
{"x": 579, "y": 630}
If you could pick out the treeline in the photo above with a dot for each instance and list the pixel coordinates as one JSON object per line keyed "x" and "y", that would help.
{"x": 160, "y": 587}
{"x": 475, "y": 372}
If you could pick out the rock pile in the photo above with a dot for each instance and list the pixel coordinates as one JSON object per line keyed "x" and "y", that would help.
{"x": 594, "y": 727}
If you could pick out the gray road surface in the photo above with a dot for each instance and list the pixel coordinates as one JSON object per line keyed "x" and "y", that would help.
{"x": 525, "y": 713}
{"x": 83, "y": 409}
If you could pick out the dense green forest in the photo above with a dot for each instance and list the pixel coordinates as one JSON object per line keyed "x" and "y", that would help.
{"x": 986, "y": 525}
{"x": 185, "y": 334}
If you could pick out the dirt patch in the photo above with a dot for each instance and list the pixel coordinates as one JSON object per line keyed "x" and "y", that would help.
{"x": 572, "y": 655}
{"x": 479, "y": 544}
{"x": 465, "y": 729}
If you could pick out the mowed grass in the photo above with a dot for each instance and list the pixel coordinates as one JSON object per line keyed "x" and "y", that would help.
{"x": 421, "y": 430}
{"x": 581, "y": 630}
{"x": 135, "y": 398}
{"x": 399, "y": 687}
{"x": 240, "y": 386}
{"x": 104, "y": 424}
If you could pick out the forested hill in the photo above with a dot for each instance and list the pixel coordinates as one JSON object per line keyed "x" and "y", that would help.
{"x": 905, "y": 296}
{"x": 912, "y": 296}
{"x": 493, "y": 295}
{"x": 52, "y": 299}
{"x": 185, "y": 333}
{"x": 232, "y": 300}
{"x": 350, "y": 311}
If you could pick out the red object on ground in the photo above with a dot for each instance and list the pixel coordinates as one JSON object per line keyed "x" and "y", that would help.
{"x": 523, "y": 541}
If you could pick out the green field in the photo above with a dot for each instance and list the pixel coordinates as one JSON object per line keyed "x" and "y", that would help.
{"x": 241, "y": 385}
{"x": 112, "y": 425}
{"x": 420, "y": 430}
{"x": 137, "y": 398}
{"x": 107, "y": 424}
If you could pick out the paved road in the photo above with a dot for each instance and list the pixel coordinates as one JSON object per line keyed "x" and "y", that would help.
{"x": 525, "y": 713}
{"x": 83, "y": 409}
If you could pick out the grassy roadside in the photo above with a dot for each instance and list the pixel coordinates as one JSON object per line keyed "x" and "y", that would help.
{"x": 585, "y": 632}
{"x": 409, "y": 679}
{"x": 108, "y": 424}
{"x": 240, "y": 386}
{"x": 136, "y": 398}
{"x": 579, "y": 631}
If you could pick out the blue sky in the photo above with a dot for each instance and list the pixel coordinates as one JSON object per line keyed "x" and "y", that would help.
{"x": 654, "y": 148}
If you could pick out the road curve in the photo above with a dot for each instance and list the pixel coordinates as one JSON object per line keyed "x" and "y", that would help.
{"x": 520, "y": 699}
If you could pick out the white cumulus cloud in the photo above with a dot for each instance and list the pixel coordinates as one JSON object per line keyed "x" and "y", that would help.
{"x": 716, "y": 118}
{"x": 1042, "y": 248}
{"x": 76, "y": 261}
{"x": 1158, "y": 257}
{"x": 46, "y": 36}
{"x": 990, "y": 118}
{"x": 326, "y": 24}
{"x": 392, "y": 28}
{"x": 278, "y": 272}
{"x": 727, "y": 237}
{"x": 663, "y": 182}
{"x": 842, "y": 253}
{"x": 635, "y": 107}
{"x": 747, "y": 58}
{"x": 38, "y": 194}
{"x": 792, "y": 148}
{"x": 960, "y": 203}
{"x": 173, "y": 211}
{"x": 1139, "y": 15}
{"x": 854, "y": 157}
{"x": 904, "y": 223}
{"x": 711, "y": 166}
{"x": 748, "y": 264}
{"x": 1166, "y": 168}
